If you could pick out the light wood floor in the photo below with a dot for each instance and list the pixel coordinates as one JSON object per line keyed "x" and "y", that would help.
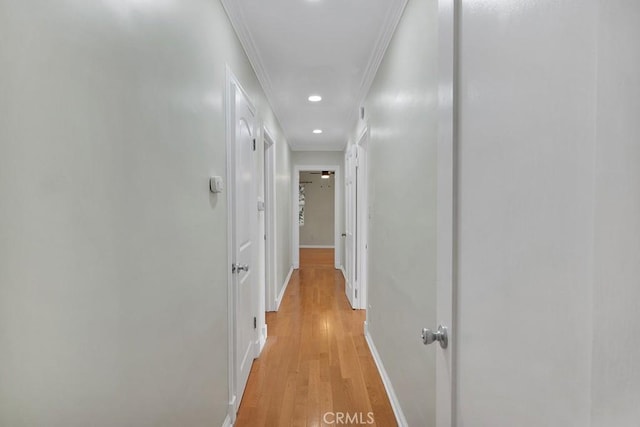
{"x": 316, "y": 359}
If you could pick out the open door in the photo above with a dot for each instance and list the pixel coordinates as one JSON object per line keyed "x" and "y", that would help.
{"x": 356, "y": 244}
{"x": 351, "y": 226}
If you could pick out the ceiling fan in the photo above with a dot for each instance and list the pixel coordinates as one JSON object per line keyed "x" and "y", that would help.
{"x": 325, "y": 174}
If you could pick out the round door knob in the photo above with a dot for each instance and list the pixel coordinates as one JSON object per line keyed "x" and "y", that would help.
{"x": 428, "y": 336}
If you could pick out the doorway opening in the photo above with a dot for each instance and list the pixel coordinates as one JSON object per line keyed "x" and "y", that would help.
{"x": 316, "y": 210}
{"x": 316, "y": 217}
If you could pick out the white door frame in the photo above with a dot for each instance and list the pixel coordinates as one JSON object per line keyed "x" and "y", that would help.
{"x": 295, "y": 232}
{"x": 362, "y": 209}
{"x": 231, "y": 84}
{"x": 271, "y": 294}
{"x": 446, "y": 211}
{"x": 350, "y": 229}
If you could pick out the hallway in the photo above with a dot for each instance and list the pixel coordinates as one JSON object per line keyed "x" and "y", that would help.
{"x": 486, "y": 213}
{"x": 316, "y": 360}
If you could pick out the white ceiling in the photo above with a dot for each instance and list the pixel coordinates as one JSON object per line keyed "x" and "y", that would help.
{"x": 330, "y": 48}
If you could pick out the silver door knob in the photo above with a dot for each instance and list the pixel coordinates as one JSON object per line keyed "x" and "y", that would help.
{"x": 428, "y": 336}
{"x": 237, "y": 268}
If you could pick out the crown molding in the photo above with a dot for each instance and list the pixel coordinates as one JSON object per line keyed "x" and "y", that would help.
{"x": 239, "y": 24}
{"x": 388, "y": 29}
{"x": 318, "y": 147}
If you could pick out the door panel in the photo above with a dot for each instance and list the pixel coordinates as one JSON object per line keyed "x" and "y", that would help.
{"x": 245, "y": 279}
{"x": 350, "y": 223}
{"x": 525, "y": 213}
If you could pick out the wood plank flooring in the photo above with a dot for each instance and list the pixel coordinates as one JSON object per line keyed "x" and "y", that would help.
{"x": 316, "y": 360}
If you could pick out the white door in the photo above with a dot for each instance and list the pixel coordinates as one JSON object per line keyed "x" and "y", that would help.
{"x": 244, "y": 244}
{"x": 525, "y": 216}
{"x": 351, "y": 226}
{"x": 362, "y": 221}
{"x": 269, "y": 218}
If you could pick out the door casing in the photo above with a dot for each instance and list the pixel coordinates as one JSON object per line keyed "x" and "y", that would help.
{"x": 271, "y": 294}
{"x": 295, "y": 228}
{"x": 350, "y": 226}
{"x": 446, "y": 213}
{"x": 362, "y": 212}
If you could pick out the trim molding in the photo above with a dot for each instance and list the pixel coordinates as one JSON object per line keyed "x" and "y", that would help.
{"x": 227, "y": 422}
{"x": 388, "y": 29}
{"x": 446, "y": 212}
{"x": 260, "y": 342}
{"x": 317, "y": 147}
{"x": 284, "y": 288}
{"x": 238, "y": 22}
{"x": 338, "y": 223}
{"x": 317, "y": 246}
{"x": 344, "y": 274}
{"x": 393, "y": 398}
{"x": 231, "y": 412}
{"x": 263, "y": 339}
{"x": 229, "y": 103}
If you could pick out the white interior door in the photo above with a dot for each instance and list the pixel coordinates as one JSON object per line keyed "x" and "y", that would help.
{"x": 362, "y": 221}
{"x": 525, "y": 217}
{"x": 350, "y": 227}
{"x": 270, "y": 235}
{"x": 244, "y": 244}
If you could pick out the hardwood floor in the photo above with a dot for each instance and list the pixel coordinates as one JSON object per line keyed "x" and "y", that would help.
{"x": 316, "y": 257}
{"x": 316, "y": 360}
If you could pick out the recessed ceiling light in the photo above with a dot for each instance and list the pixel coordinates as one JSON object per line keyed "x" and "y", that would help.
{"x": 317, "y": 131}
{"x": 315, "y": 98}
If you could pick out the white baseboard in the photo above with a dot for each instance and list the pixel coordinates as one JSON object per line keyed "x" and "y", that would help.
{"x": 260, "y": 342}
{"x": 344, "y": 273}
{"x": 284, "y": 288}
{"x": 393, "y": 398}
{"x": 263, "y": 338}
{"x": 231, "y": 413}
{"x": 317, "y": 246}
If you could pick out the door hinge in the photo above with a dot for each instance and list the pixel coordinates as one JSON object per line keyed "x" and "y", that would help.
{"x": 255, "y": 323}
{"x": 356, "y": 293}
{"x": 237, "y": 268}
{"x": 254, "y": 144}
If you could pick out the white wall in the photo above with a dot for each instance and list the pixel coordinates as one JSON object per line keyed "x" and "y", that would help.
{"x": 319, "y": 210}
{"x": 548, "y": 170}
{"x": 113, "y": 262}
{"x": 401, "y": 110}
{"x": 616, "y": 323}
{"x": 316, "y": 158}
{"x": 284, "y": 235}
